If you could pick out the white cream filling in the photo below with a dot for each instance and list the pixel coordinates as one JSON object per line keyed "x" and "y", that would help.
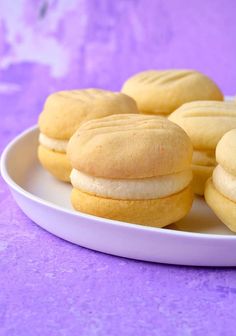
{"x": 134, "y": 189}
{"x": 225, "y": 183}
{"x": 53, "y": 144}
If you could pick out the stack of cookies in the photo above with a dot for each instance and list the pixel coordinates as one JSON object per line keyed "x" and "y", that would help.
{"x": 132, "y": 168}
{"x": 126, "y": 161}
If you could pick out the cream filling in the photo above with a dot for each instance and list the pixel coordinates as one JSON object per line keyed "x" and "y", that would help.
{"x": 204, "y": 158}
{"x": 53, "y": 144}
{"x": 225, "y": 183}
{"x": 134, "y": 189}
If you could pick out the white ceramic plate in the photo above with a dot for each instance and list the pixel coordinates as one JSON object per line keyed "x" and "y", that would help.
{"x": 199, "y": 239}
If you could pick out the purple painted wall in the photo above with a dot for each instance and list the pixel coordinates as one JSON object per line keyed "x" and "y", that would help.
{"x": 49, "y": 45}
{"x": 79, "y": 43}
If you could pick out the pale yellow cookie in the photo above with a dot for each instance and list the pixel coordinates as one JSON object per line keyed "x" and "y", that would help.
{"x": 156, "y": 212}
{"x": 132, "y": 168}
{"x": 65, "y": 111}
{"x": 220, "y": 191}
{"x": 223, "y": 207}
{"x": 205, "y": 122}
{"x": 162, "y": 92}
{"x": 130, "y": 146}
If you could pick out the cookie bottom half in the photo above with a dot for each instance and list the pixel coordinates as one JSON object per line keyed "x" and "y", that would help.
{"x": 156, "y": 212}
{"x": 224, "y": 208}
{"x": 55, "y": 162}
{"x": 200, "y": 175}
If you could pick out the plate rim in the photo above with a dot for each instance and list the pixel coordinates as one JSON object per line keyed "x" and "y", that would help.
{"x": 16, "y": 187}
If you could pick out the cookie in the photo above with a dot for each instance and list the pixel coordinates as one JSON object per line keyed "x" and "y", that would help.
{"x": 162, "y": 92}
{"x": 220, "y": 191}
{"x": 132, "y": 168}
{"x": 205, "y": 122}
{"x": 64, "y": 112}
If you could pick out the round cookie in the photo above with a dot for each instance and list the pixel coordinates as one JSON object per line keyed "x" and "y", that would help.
{"x": 152, "y": 212}
{"x": 162, "y": 92}
{"x": 220, "y": 191}
{"x": 117, "y": 162}
{"x": 64, "y": 112}
{"x": 205, "y": 122}
{"x": 130, "y": 146}
{"x": 223, "y": 207}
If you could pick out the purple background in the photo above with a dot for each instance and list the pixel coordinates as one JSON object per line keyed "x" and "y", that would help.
{"x": 48, "y": 286}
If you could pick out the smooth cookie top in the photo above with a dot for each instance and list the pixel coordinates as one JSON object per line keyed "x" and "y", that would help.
{"x": 130, "y": 146}
{"x": 162, "y": 92}
{"x": 65, "y": 111}
{"x": 205, "y": 121}
{"x": 226, "y": 152}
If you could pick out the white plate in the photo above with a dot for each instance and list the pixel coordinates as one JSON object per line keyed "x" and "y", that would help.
{"x": 201, "y": 239}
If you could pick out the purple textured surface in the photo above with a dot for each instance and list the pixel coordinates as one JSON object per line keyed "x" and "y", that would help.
{"x": 51, "y": 287}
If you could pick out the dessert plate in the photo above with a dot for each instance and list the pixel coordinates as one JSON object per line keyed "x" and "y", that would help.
{"x": 199, "y": 239}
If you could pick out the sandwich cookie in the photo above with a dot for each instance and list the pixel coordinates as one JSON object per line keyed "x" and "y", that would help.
{"x": 63, "y": 113}
{"x": 205, "y": 122}
{"x": 220, "y": 192}
{"x": 132, "y": 168}
{"x": 162, "y": 92}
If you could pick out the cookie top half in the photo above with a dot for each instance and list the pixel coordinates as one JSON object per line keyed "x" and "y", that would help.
{"x": 65, "y": 111}
{"x": 162, "y": 92}
{"x": 205, "y": 121}
{"x": 130, "y": 146}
